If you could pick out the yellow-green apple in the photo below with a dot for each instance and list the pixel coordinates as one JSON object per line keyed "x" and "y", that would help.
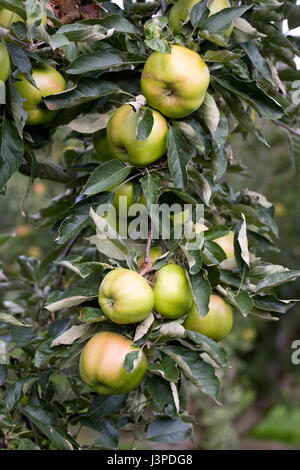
{"x": 172, "y": 293}
{"x": 49, "y": 82}
{"x": 226, "y": 242}
{"x": 175, "y": 83}
{"x": 216, "y": 324}
{"x": 104, "y": 153}
{"x": 125, "y": 190}
{"x": 181, "y": 9}
{"x": 123, "y": 142}
{"x": 154, "y": 253}
{"x": 8, "y": 17}
{"x": 5, "y": 63}
{"x": 101, "y": 364}
{"x": 125, "y": 296}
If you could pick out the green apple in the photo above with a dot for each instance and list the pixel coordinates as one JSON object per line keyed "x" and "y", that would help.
{"x": 175, "y": 83}
{"x": 181, "y": 9}
{"x": 216, "y": 324}
{"x": 125, "y": 296}
{"x": 226, "y": 242}
{"x": 121, "y": 136}
{"x": 49, "y": 82}
{"x": 101, "y": 364}
{"x": 104, "y": 153}
{"x": 154, "y": 253}
{"x": 125, "y": 190}
{"x": 5, "y": 63}
{"x": 8, "y": 17}
{"x": 172, "y": 293}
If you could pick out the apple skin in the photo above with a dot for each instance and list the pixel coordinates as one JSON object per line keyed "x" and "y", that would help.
{"x": 101, "y": 364}
{"x": 102, "y": 147}
{"x": 125, "y": 190}
{"x": 49, "y": 82}
{"x": 8, "y": 17}
{"x": 175, "y": 83}
{"x": 216, "y": 324}
{"x": 121, "y": 136}
{"x": 172, "y": 293}
{"x": 125, "y": 296}
{"x": 180, "y": 10}
{"x": 5, "y": 63}
{"x": 226, "y": 242}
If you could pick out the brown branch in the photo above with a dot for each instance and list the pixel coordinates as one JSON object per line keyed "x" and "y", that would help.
{"x": 286, "y": 127}
{"x": 64, "y": 255}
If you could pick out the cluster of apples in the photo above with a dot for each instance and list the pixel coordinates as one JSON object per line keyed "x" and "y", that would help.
{"x": 174, "y": 86}
{"x": 126, "y": 297}
{"x": 47, "y": 79}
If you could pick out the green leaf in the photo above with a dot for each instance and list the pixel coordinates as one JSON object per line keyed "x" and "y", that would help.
{"x": 271, "y": 303}
{"x": 258, "y": 61}
{"x": 83, "y": 269}
{"x": 93, "y": 62}
{"x": 3, "y": 374}
{"x": 22, "y": 335}
{"x": 213, "y": 349}
{"x": 253, "y": 94}
{"x": 196, "y": 370}
{"x": 117, "y": 22}
{"x": 11, "y": 320}
{"x": 199, "y": 184}
{"x": 241, "y": 301}
{"x": 69, "y": 298}
{"x": 274, "y": 280}
{"x": 160, "y": 390}
{"x": 5, "y": 237}
{"x": 13, "y": 395}
{"x": 223, "y": 55}
{"x": 47, "y": 422}
{"x": 27, "y": 444}
{"x": 105, "y": 176}
{"x": 166, "y": 368}
{"x": 80, "y": 32}
{"x": 201, "y": 292}
{"x": 168, "y": 430}
{"x": 86, "y": 90}
{"x": 151, "y": 186}
{"x": 178, "y": 157}
{"x": 159, "y": 45}
{"x": 109, "y": 436}
{"x": 220, "y": 22}
{"x": 102, "y": 406}
{"x": 91, "y": 315}
{"x": 11, "y": 151}
{"x": 145, "y": 124}
{"x": 211, "y": 113}
{"x": 241, "y": 251}
{"x": 5, "y": 418}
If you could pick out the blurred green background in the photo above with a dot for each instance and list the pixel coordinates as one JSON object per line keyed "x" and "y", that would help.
{"x": 261, "y": 392}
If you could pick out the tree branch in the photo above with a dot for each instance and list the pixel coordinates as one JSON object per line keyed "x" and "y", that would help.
{"x": 286, "y": 127}
{"x": 64, "y": 255}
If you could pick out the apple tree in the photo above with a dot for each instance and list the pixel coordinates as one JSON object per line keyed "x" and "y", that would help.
{"x": 79, "y": 71}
